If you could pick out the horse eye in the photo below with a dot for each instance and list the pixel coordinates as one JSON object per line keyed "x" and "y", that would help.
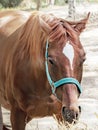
{"x": 51, "y": 60}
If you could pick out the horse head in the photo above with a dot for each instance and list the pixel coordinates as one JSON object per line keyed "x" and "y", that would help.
{"x": 65, "y": 56}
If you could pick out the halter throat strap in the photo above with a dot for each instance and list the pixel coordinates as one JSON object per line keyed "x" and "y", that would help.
{"x": 62, "y": 81}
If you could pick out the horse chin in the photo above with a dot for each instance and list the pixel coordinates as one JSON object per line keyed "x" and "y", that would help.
{"x": 71, "y": 116}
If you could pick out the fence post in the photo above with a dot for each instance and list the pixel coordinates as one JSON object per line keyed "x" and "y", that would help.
{"x": 71, "y": 8}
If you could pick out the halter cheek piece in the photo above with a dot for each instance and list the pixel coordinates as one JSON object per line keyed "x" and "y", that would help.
{"x": 62, "y": 81}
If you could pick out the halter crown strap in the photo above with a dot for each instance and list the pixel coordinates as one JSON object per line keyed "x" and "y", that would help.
{"x": 62, "y": 81}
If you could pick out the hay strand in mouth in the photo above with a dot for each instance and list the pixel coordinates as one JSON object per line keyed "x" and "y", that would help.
{"x": 66, "y": 126}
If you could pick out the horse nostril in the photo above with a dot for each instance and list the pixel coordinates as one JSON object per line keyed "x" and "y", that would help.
{"x": 70, "y": 115}
{"x": 80, "y": 109}
{"x": 63, "y": 109}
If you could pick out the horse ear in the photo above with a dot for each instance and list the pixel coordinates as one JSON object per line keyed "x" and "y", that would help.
{"x": 80, "y": 26}
{"x": 45, "y": 27}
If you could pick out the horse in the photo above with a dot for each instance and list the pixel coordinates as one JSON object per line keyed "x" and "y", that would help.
{"x": 41, "y": 66}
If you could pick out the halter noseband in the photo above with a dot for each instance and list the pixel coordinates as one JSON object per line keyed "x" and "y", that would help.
{"x": 62, "y": 81}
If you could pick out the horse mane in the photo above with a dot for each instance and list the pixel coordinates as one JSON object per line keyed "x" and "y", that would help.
{"x": 32, "y": 38}
{"x": 31, "y": 42}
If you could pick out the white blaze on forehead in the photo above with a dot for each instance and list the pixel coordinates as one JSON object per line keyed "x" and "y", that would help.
{"x": 68, "y": 51}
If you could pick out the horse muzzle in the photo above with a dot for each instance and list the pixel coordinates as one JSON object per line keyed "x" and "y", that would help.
{"x": 71, "y": 115}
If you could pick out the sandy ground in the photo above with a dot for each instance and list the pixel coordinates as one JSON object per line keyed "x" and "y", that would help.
{"x": 89, "y": 97}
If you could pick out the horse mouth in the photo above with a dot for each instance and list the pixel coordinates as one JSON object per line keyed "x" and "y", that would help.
{"x": 71, "y": 116}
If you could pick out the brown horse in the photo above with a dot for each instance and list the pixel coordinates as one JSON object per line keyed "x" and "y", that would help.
{"x": 41, "y": 61}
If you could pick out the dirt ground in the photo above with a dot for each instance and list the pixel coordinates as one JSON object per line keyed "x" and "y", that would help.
{"x": 89, "y": 97}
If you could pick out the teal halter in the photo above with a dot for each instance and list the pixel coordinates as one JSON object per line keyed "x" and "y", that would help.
{"x": 62, "y": 81}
